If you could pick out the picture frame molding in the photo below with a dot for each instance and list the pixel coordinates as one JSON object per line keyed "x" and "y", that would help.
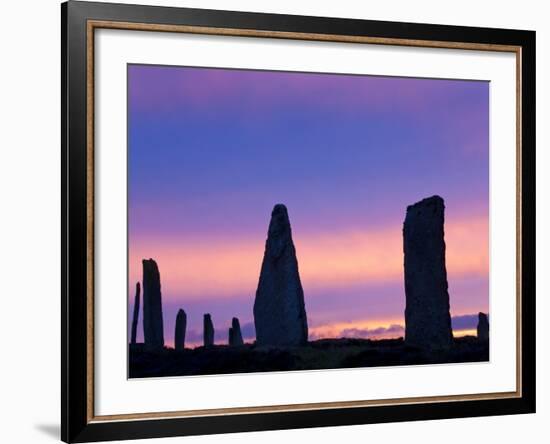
{"x": 79, "y": 22}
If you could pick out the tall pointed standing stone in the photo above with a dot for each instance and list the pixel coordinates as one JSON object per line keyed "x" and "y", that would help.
{"x": 136, "y": 315}
{"x": 483, "y": 327}
{"x": 427, "y": 316}
{"x": 153, "y": 327}
{"x": 179, "y": 334}
{"x": 235, "y": 335}
{"x": 208, "y": 330}
{"x": 279, "y": 309}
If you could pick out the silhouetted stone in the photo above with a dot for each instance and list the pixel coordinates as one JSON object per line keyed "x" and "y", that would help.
{"x": 181, "y": 325}
{"x": 279, "y": 310}
{"x": 427, "y": 317}
{"x": 136, "y": 315}
{"x": 153, "y": 328}
{"x": 208, "y": 330}
{"x": 483, "y": 327}
{"x": 235, "y": 335}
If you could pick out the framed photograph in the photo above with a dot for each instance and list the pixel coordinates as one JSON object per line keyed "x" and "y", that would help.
{"x": 275, "y": 221}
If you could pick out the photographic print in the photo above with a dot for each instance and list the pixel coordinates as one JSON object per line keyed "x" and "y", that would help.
{"x": 284, "y": 221}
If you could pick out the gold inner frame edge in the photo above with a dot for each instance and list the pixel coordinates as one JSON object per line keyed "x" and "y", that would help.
{"x": 92, "y": 25}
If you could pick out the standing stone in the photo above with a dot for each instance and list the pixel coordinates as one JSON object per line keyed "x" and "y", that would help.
{"x": 483, "y": 327}
{"x": 279, "y": 310}
{"x": 235, "y": 335}
{"x": 427, "y": 316}
{"x": 181, "y": 325}
{"x": 136, "y": 314}
{"x": 208, "y": 330}
{"x": 153, "y": 328}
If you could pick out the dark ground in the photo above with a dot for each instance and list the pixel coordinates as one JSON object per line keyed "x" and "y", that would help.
{"x": 321, "y": 354}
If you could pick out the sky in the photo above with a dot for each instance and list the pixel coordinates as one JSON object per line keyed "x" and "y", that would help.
{"x": 211, "y": 151}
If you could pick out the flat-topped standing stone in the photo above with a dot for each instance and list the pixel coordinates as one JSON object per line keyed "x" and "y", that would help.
{"x": 136, "y": 315}
{"x": 279, "y": 309}
{"x": 179, "y": 334}
{"x": 208, "y": 330}
{"x": 235, "y": 335}
{"x": 483, "y": 327}
{"x": 153, "y": 328}
{"x": 427, "y": 316}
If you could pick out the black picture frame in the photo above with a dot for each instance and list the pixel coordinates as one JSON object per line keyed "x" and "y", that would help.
{"x": 76, "y": 423}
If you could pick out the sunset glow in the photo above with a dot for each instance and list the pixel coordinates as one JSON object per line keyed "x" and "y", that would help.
{"x": 221, "y": 267}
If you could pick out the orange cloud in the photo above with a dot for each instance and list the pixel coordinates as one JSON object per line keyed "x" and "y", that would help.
{"x": 371, "y": 328}
{"x": 224, "y": 267}
{"x": 461, "y": 333}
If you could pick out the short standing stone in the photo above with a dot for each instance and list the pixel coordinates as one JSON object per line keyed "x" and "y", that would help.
{"x": 279, "y": 309}
{"x": 235, "y": 335}
{"x": 181, "y": 325}
{"x": 208, "y": 330}
{"x": 153, "y": 328}
{"x": 483, "y": 327}
{"x": 136, "y": 315}
{"x": 427, "y": 314}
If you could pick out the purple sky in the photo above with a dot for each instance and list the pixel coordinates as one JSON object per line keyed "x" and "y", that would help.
{"x": 212, "y": 150}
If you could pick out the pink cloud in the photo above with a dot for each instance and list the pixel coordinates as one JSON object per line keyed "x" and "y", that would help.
{"x": 219, "y": 267}
{"x": 163, "y": 88}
